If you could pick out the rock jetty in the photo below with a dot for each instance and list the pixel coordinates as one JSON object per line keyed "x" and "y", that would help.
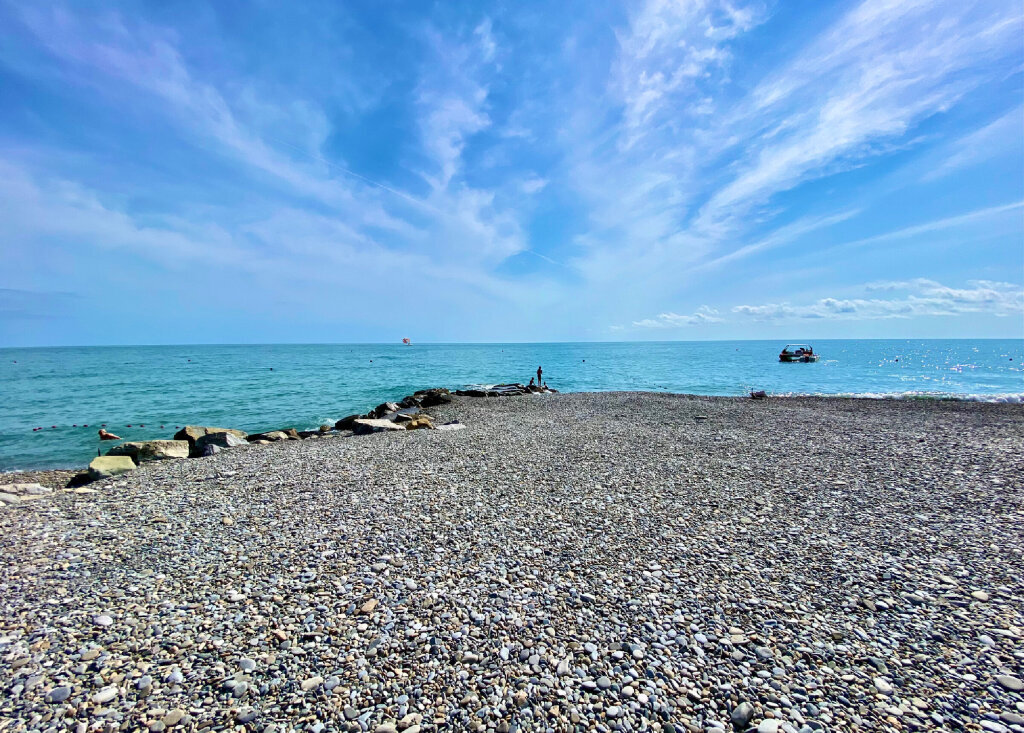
{"x": 626, "y": 562}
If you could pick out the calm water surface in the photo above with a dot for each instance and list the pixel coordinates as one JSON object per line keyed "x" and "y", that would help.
{"x": 262, "y": 387}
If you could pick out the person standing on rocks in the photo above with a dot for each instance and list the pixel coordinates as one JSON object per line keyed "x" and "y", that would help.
{"x": 539, "y": 372}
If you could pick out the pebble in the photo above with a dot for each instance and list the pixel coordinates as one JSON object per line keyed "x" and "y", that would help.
{"x": 568, "y": 562}
{"x": 105, "y": 695}
{"x": 173, "y": 717}
{"x": 312, "y": 683}
{"x": 1011, "y": 683}
{"x": 742, "y": 714}
{"x": 58, "y": 694}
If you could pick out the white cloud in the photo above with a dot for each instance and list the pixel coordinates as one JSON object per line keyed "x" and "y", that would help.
{"x": 672, "y": 191}
{"x": 534, "y": 184}
{"x": 703, "y": 315}
{"x": 458, "y": 226}
{"x": 486, "y": 39}
{"x": 669, "y": 48}
{"x": 453, "y": 98}
{"x": 921, "y": 298}
{"x": 878, "y": 72}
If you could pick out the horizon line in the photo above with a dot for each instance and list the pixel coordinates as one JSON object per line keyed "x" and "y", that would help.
{"x": 496, "y": 343}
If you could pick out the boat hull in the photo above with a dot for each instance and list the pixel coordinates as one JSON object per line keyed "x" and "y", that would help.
{"x": 793, "y": 358}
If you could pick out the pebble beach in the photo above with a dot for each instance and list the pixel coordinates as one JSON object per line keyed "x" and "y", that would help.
{"x": 589, "y": 561}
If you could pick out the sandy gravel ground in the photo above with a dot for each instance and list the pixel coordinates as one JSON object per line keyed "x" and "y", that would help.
{"x": 567, "y": 562}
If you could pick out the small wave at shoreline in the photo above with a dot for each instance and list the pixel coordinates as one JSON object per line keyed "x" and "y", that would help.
{"x": 1015, "y": 398}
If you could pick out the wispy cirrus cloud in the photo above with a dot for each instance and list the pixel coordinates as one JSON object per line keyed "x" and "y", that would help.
{"x": 668, "y": 54}
{"x": 638, "y": 159}
{"x": 1004, "y": 135}
{"x": 879, "y": 71}
{"x": 673, "y": 191}
{"x": 936, "y": 225}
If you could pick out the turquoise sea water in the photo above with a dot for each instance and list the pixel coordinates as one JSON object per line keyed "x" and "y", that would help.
{"x": 263, "y": 387}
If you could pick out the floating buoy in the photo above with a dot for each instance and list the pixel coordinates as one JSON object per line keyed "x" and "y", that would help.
{"x": 103, "y": 425}
{"x": 75, "y": 425}
{"x": 141, "y": 425}
{"x": 53, "y": 426}
{"x": 161, "y": 427}
{"x": 85, "y": 426}
{"x": 128, "y": 426}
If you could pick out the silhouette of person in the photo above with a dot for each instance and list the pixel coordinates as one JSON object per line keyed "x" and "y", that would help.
{"x": 539, "y": 373}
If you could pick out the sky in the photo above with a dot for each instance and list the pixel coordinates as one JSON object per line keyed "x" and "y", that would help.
{"x": 322, "y": 172}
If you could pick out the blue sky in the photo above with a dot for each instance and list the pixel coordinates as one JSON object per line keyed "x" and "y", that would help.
{"x": 323, "y": 172}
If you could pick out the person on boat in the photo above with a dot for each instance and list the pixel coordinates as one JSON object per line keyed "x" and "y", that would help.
{"x": 104, "y": 435}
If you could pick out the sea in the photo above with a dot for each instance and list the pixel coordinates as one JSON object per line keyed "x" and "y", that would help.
{"x": 53, "y": 400}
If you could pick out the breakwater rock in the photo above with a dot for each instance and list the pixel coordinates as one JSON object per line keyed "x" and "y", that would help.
{"x": 141, "y": 451}
{"x": 200, "y": 441}
{"x": 505, "y": 390}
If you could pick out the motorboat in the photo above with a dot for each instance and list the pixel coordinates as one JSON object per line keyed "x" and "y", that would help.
{"x": 798, "y": 352}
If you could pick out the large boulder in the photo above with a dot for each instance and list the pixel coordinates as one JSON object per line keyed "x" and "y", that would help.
{"x": 471, "y": 392}
{"x": 17, "y": 493}
{"x": 192, "y": 433}
{"x": 345, "y": 423}
{"x": 366, "y": 426}
{"x": 509, "y": 390}
{"x": 25, "y": 489}
{"x": 384, "y": 408}
{"x": 109, "y": 466}
{"x": 420, "y": 422}
{"x": 219, "y": 440}
{"x": 151, "y": 450}
{"x": 434, "y": 397}
{"x": 271, "y": 436}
